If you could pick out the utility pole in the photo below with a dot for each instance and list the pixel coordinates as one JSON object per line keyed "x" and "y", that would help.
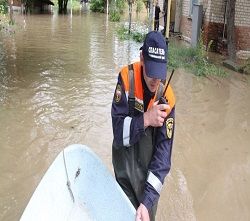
{"x": 167, "y": 17}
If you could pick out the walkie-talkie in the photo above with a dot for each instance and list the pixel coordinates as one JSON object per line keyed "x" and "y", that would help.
{"x": 162, "y": 99}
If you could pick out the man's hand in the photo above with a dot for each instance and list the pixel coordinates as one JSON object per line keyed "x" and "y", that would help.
{"x": 156, "y": 115}
{"x": 142, "y": 213}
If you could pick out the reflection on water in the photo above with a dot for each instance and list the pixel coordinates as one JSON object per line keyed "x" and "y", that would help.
{"x": 57, "y": 77}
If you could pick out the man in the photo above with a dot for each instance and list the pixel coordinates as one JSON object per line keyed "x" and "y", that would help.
{"x": 157, "y": 16}
{"x": 143, "y": 129}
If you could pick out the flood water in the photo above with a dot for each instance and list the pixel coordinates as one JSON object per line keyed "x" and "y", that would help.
{"x": 57, "y": 78}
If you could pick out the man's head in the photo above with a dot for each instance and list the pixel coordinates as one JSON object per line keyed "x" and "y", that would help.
{"x": 153, "y": 58}
{"x": 154, "y": 55}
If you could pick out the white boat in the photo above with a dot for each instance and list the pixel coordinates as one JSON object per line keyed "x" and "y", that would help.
{"x": 78, "y": 186}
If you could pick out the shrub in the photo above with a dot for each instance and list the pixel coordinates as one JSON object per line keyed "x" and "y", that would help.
{"x": 97, "y": 6}
{"x": 137, "y": 33}
{"x": 116, "y": 9}
{"x": 114, "y": 16}
{"x": 246, "y": 68}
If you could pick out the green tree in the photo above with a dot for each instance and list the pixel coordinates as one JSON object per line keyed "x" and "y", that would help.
{"x": 3, "y": 6}
{"x": 97, "y": 6}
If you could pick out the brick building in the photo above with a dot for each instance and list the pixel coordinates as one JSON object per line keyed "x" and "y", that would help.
{"x": 214, "y": 26}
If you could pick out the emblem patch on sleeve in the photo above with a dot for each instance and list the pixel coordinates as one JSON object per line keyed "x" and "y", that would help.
{"x": 118, "y": 93}
{"x": 169, "y": 127}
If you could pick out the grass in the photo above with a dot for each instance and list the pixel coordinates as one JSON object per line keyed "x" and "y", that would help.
{"x": 193, "y": 59}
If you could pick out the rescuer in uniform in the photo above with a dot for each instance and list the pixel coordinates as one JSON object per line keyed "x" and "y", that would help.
{"x": 143, "y": 129}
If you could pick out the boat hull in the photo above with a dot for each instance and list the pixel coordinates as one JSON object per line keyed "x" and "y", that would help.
{"x": 91, "y": 194}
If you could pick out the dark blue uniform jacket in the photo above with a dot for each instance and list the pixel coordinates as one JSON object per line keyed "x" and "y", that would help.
{"x": 161, "y": 160}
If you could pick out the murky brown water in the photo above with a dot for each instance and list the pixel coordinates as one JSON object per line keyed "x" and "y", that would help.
{"x": 57, "y": 77}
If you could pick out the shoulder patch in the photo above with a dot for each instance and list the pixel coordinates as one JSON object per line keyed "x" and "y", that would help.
{"x": 139, "y": 106}
{"x": 118, "y": 93}
{"x": 169, "y": 127}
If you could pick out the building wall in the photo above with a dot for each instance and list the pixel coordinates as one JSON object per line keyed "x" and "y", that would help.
{"x": 242, "y": 13}
{"x": 173, "y": 9}
{"x": 214, "y": 11}
{"x": 214, "y": 23}
{"x": 185, "y": 8}
{"x": 243, "y": 37}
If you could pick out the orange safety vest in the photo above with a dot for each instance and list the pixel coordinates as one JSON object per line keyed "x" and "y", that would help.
{"x": 132, "y": 73}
